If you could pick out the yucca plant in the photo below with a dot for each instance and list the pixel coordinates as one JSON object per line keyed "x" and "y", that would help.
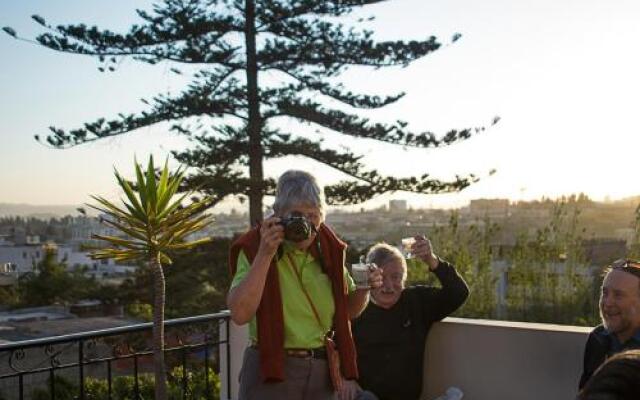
{"x": 153, "y": 223}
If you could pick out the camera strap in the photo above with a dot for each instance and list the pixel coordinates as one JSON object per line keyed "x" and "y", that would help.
{"x": 294, "y": 266}
{"x": 333, "y": 357}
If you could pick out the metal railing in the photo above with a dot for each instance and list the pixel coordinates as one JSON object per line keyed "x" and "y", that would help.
{"x": 117, "y": 363}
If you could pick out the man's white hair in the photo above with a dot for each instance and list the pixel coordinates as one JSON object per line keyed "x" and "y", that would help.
{"x": 383, "y": 253}
{"x": 297, "y": 188}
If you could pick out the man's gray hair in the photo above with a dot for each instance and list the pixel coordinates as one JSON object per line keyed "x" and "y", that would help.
{"x": 297, "y": 188}
{"x": 383, "y": 253}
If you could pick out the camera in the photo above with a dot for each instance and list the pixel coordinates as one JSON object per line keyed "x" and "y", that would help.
{"x": 296, "y": 227}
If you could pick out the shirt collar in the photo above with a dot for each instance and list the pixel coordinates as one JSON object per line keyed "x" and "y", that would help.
{"x": 616, "y": 342}
{"x": 289, "y": 247}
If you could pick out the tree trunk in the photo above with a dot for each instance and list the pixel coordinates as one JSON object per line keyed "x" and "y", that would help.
{"x": 158, "y": 329}
{"x": 254, "y": 126}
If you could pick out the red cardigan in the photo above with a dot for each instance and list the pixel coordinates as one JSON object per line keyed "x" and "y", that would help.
{"x": 270, "y": 320}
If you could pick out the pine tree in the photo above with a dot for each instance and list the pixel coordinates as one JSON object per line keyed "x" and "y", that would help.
{"x": 258, "y": 61}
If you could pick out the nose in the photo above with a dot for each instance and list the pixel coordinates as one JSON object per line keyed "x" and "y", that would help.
{"x": 387, "y": 284}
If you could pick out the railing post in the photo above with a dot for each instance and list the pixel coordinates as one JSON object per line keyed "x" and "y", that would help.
{"x": 184, "y": 375}
{"x": 81, "y": 367}
{"x": 136, "y": 384}
{"x": 207, "y": 385}
{"x": 21, "y": 384}
{"x": 52, "y": 383}
{"x": 109, "y": 377}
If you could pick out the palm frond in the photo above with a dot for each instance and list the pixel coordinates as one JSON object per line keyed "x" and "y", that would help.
{"x": 165, "y": 259}
{"x": 121, "y": 242}
{"x": 130, "y": 195}
{"x": 142, "y": 189}
{"x": 152, "y": 222}
{"x": 151, "y": 189}
{"x": 134, "y": 232}
{"x": 118, "y": 255}
{"x": 189, "y": 245}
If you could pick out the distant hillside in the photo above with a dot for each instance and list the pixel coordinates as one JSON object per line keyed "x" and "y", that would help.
{"x": 42, "y": 212}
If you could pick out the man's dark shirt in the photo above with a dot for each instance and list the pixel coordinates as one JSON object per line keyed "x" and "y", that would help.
{"x": 390, "y": 342}
{"x": 601, "y": 345}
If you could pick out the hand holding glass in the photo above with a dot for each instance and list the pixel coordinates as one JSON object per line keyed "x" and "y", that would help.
{"x": 360, "y": 274}
{"x": 407, "y": 245}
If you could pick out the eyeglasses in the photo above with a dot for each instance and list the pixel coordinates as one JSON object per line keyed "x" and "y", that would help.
{"x": 627, "y": 265}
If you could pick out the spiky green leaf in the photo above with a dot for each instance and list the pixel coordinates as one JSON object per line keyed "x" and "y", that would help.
{"x": 142, "y": 188}
{"x": 128, "y": 190}
{"x": 151, "y": 189}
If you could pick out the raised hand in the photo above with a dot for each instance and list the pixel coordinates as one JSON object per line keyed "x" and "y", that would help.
{"x": 422, "y": 249}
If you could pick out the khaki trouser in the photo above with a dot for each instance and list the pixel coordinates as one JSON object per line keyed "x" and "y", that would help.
{"x": 305, "y": 379}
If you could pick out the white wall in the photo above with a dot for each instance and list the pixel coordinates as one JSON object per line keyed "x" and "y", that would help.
{"x": 492, "y": 360}
{"x": 488, "y": 360}
{"x": 239, "y": 340}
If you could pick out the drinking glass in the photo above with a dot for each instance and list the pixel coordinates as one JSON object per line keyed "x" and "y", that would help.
{"x": 407, "y": 244}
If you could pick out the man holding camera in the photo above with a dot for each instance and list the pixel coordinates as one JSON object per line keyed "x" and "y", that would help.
{"x": 290, "y": 284}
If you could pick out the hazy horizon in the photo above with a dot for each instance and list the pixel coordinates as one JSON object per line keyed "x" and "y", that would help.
{"x": 29, "y": 209}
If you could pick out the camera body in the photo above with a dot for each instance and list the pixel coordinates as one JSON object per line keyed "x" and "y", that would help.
{"x": 296, "y": 227}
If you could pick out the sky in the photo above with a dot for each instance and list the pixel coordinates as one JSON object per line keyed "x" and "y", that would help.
{"x": 562, "y": 76}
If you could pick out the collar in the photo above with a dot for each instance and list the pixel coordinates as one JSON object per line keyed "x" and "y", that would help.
{"x": 616, "y": 345}
{"x": 288, "y": 247}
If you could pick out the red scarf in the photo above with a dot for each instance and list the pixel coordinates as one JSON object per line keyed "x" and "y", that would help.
{"x": 270, "y": 320}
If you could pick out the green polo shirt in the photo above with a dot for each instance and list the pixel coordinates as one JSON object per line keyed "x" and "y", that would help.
{"x": 301, "y": 329}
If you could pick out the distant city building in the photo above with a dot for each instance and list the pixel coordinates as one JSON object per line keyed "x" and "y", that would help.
{"x": 397, "y": 206}
{"x": 492, "y": 208}
{"x": 83, "y": 228}
{"x": 18, "y": 260}
{"x": 32, "y": 240}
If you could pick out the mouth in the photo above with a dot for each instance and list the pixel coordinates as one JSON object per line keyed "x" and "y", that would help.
{"x": 610, "y": 315}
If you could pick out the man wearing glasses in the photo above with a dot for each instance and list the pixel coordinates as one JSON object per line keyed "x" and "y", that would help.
{"x": 620, "y": 312}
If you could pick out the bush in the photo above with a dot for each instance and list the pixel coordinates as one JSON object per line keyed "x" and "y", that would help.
{"x": 64, "y": 390}
{"x": 123, "y": 387}
{"x": 196, "y": 384}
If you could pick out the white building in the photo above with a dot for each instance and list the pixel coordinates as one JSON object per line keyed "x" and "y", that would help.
{"x": 23, "y": 259}
{"x": 83, "y": 228}
{"x": 397, "y": 205}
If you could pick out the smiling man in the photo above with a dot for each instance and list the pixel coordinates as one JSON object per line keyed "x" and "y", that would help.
{"x": 390, "y": 334}
{"x": 620, "y": 313}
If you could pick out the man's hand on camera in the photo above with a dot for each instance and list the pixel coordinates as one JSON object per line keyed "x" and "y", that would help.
{"x": 271, "y": 235}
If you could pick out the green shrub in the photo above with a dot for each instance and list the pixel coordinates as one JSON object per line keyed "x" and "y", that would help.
{"x": 196, "y": 384}
{"x": 64, "y": 390}
{"x": 123, "y": 387}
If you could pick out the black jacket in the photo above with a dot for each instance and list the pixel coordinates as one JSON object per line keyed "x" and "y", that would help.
{"x": 390, "y": 342}
{"x": 600, "y": 346}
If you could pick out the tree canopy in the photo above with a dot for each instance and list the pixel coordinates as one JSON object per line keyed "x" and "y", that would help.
{"x": 252, "y": 64}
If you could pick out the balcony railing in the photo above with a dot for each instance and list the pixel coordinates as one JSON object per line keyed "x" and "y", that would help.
{"x": 118, "y": 362}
